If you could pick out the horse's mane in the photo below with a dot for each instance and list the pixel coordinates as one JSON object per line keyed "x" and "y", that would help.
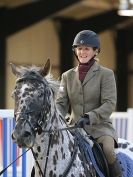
{"x": 26, "y": 71}
{"x": 54, "y": 84}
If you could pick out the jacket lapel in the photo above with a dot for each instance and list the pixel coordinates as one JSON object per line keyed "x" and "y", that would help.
{"x": 76, "y": 76}
{"x": 91, "y": 73}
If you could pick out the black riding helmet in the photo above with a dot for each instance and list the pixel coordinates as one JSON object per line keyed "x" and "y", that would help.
{"x": 87, "y": 37}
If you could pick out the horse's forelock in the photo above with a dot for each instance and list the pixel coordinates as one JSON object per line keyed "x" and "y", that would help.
{"x": 29, "y": 70}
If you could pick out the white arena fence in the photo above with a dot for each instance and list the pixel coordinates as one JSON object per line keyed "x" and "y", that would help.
{"x": 9, "y": 150}
{"x": 122, "y": 121}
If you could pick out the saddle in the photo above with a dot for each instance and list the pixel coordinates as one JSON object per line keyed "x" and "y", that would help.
{"x": 100, "y": 157}
{"x": 93, "y": 153}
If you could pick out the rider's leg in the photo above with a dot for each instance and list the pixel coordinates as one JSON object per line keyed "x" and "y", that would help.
{"x": 109, "y": 151}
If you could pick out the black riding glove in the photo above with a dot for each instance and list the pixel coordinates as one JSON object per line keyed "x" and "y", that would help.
{"x": 84, "y": 120}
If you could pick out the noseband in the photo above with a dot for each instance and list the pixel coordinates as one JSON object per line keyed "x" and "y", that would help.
{"x": 38, "y": 128}
{"x": 35, "y": 128}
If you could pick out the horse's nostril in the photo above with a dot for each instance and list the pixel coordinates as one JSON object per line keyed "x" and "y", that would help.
{"x": 26, "y": 134}
{"x": 13, "y": 137}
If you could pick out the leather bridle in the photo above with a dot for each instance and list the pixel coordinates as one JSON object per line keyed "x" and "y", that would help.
{"x": 38, "y": 128}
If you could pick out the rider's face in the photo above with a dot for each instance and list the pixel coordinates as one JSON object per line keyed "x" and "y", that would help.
{"x": 84, "y": 53}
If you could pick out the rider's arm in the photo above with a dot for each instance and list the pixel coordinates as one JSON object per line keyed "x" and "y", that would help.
{"x": 62, "y": 100}
{"x": 108, "y": 99}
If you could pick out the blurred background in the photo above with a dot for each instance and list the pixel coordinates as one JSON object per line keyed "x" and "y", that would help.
{"x": 31, "y": 31}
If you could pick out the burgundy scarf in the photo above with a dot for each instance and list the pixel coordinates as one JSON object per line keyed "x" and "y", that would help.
{"x": 83, "y": 68}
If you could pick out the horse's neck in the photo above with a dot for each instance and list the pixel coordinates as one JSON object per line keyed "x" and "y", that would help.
{"x": 58, "y": 136}
{"x": 57, "y": 146}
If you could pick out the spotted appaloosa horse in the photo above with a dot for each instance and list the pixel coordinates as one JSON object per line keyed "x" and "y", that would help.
{"x": 40, "y": 127}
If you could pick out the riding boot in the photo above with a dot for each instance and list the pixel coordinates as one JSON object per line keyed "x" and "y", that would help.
{"x": 115, "y": 169}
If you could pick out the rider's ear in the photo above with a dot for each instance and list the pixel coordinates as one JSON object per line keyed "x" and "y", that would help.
{"x": 45, "y": 69}
{"x": 15, "y": 69}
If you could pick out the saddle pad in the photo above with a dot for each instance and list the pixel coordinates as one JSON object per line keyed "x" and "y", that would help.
{"x": 127, "y": 164}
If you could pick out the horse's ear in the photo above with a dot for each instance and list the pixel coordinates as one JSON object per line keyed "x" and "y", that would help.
{"x": 15, "y": 69}
{"x": 45, "y": 69}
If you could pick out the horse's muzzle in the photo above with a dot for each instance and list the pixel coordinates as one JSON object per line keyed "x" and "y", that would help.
{"x": 26, "y": 139}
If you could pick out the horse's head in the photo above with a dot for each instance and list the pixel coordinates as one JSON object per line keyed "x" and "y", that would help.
{"x": 32, "y": 103}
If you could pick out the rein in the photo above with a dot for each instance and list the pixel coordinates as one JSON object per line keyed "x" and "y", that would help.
{"x": 1, "y": 172}
{"x": 40, "y": 123}
{"x": 50, "y": 132}
{"x": 60, "y": 129}
{"x": 37, "y": 162}
{"x": 37, "y": 127}
{"x": 65, "y": 173}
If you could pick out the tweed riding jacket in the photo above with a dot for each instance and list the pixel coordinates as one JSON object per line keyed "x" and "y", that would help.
{"x": 96, "y": 96}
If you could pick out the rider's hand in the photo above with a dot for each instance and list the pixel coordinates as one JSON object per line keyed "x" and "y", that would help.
{"x": 84, "y": 120}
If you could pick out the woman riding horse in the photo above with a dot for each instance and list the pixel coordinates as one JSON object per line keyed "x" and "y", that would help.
{"x": 90, "y": 91}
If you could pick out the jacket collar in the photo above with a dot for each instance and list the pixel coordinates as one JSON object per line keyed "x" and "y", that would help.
{"x": 91, "y": 73}
{"x": 95, "y": 67}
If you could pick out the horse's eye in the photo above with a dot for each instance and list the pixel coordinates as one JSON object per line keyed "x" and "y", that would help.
{"x": 40, "y": 94}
